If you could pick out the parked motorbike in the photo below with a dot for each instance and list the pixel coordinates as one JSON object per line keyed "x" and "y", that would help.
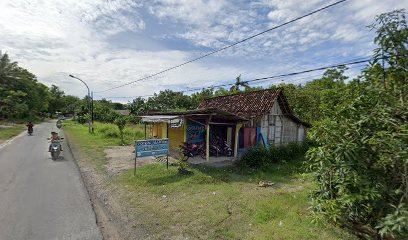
{"x": 227, "y": 149}
{"x": 55, "y": 148}
{"x": 192, "y": 150}
{"x": 219, "y": 147}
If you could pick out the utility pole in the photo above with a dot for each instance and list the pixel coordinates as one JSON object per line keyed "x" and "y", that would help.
{"x": 92, "y": 113}
{"x": 89, "y": 104}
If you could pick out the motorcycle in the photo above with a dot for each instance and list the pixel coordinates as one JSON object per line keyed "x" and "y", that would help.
{"x": 59, "y": 124}
{"x": 227, "y": 149}
{"x": 30, "y": 131}
{"x": 55, "y": 148}
{"x": 192, "y": 150}
{"x": 219, "y": 147}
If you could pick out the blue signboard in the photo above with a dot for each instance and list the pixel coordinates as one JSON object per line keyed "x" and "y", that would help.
{"x": 195, "y": 132}
{"x": 153, "y": 147}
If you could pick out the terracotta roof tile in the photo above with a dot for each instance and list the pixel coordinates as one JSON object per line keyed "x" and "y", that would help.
{"x": 248, "y": 105}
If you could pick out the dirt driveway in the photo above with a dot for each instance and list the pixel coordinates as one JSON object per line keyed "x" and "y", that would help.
{"x": 122, "y": 158}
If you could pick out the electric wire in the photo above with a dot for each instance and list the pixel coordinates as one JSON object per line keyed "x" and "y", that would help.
{"x": 280, "y": 76}
{"x": 228, "y": 46}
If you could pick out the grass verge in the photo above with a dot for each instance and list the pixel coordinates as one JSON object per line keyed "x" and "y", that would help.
{"x": 211, "y": 203}
{"x": 8, "y": 131}
{"x": 223, "y": 203}
{"x": 105, "y": 136}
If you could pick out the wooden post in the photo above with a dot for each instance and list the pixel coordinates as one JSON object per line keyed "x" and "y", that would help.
{"x": 185, "y": 130}
{"x": 207, "y": 140}
{"x": 207, "y": 143}
{"x": 134, "y": 172}
{"x": 237, "y": 128}
{"x": 229, "y": 136}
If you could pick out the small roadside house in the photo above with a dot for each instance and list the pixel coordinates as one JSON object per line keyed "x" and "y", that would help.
{"x": 242, "y": 120}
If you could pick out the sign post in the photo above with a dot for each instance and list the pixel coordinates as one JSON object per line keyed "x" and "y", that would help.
{"x": 153, "y": 147}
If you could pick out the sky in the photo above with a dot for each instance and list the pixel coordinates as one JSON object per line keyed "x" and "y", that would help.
{"x": 107, "y": 43}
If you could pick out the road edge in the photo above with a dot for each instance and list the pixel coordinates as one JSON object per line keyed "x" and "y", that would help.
{"x": 96, "y": 209}
{"x": 8, "y": 141}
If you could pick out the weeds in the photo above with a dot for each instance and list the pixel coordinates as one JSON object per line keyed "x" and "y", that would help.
{"x": 130, "y": 132}
{"x": 261, "y": 157}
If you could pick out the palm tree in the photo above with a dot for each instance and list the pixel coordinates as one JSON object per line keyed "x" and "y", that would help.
{"x": 8, "y": 70}
{"x": 238, "y": 83}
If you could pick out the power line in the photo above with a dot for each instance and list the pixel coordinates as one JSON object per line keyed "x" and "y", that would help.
{"x": 228, "y": 46}
{"x": 266, "y": 78}
{"x": 307, "y": 77}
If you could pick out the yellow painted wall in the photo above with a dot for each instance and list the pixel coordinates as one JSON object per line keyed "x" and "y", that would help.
{"x": 158, "y": 130}
{"x": 176, "y": 137}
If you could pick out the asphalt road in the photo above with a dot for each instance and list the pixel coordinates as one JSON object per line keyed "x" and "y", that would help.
{"x": 41, "y": 198}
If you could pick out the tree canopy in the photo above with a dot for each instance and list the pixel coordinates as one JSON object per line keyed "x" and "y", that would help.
{"x": 23, "y": 97}
{"x": 361, "y": 159}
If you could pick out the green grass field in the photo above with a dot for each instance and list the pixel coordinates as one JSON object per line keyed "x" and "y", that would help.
{"x": 223, "y": 203}
{"x": 211, "y": 203}
{"x": 9, "y": 131}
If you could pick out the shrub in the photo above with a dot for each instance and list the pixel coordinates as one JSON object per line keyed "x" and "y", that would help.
{"x": 254, "y": 158}
{"x": 111, "y": 133}
{"x": 261, "y": 157}
{"x": 121, "y": 123}
{"x": 83, "y": 118}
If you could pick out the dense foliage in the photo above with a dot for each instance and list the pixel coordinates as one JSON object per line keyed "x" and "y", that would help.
{"x": 361, "y": 160}
{"x": 23, "y": 97}
{"x": 259, "y": 157}
{"x": 121, "y": 121}
{"x": 311, "y": 102}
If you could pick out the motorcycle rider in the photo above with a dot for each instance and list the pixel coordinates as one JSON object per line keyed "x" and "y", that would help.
{"x": 54, "y": 138}
{"x": 30, "y": 126}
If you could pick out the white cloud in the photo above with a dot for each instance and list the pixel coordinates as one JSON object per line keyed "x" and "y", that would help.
{"x": 59, "y": 37}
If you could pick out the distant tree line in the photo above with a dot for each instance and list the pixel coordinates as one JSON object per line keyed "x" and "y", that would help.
{"x": 310, "y": 101}
{"x": 22, "y": 97}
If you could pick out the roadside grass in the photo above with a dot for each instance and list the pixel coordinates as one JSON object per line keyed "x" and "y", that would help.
{"x": 9, "y": 130}
{"x": 223, "y": 203}
{"x": 212, "y": 203}
{"x": 111, "y": 131}
{"x": 92, "y": 146}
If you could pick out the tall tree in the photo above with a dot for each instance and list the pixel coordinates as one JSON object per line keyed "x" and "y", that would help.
{"x": 138, "y": 106}
{"x": 361, "y": 161}
{"x": 56, "y": 103}
{"x": 238, "y": 84}
{"x": 8, "y": 71}
{"x": 197, "y": 98}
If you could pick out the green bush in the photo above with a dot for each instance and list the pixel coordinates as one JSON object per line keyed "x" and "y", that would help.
{"x": 83, "y": 118}
{"x": 111, "y": 133}
{"x": 261, "y": 157}
{"x": 254, "y": 158}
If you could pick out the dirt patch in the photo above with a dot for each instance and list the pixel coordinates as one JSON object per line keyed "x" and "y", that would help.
{"x": 122, "y": 158}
